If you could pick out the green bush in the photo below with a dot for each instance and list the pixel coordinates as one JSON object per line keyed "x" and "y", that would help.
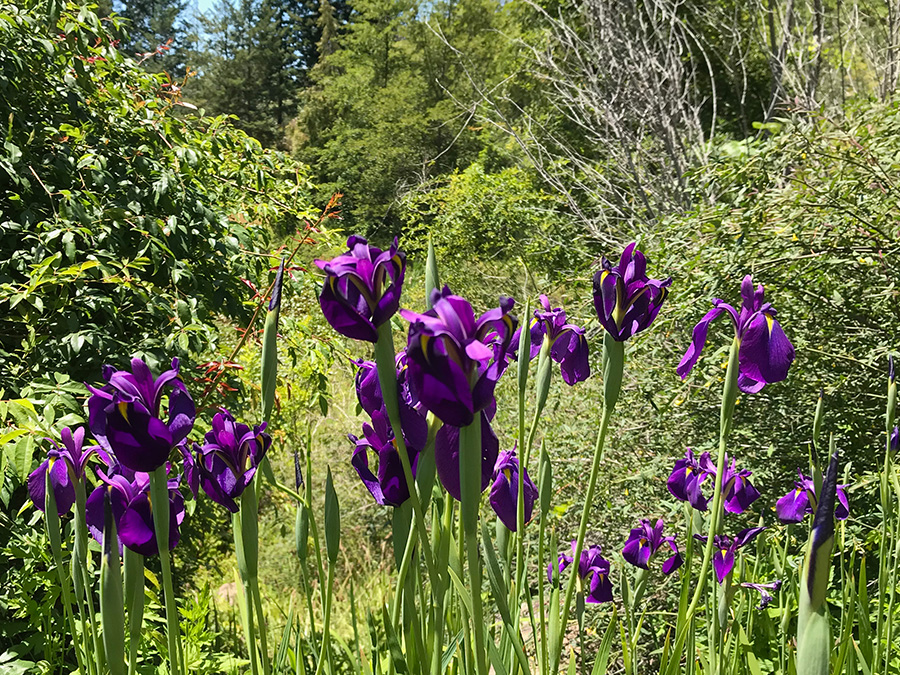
{"x": 127, "y": 221}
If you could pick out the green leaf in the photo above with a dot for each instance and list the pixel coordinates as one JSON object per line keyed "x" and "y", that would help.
{"x": 332, "y": 520}
{"x": 601, "y": 662}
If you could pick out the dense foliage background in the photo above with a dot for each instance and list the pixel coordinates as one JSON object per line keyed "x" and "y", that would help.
{"x": 155, "y": 167}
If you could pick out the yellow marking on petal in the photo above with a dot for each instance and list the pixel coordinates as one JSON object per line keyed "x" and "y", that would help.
{"x": 687, "y": 471}
{"x": 769, "y": 321}
{"x": 723, "y": 552}
{"x": 508, "y": 474}
{"x": 123, "y": 410}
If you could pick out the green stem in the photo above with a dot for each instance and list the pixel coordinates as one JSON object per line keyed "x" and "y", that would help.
{"x": 134, "y": 603}
{"x": 112, "y": 603}
{"x": 324, "y": 654}
{"x": 82, "y": 585}
{"x": 247, "y": 599}
{"x": 470, "y": 491}
{"x": 582, "y": 531}
{"x": 261, "y": 622}
{"x": 385, "y": 360}
{"x": 443, "y": 550}
{"x": 159, "y": 496}
{"x": 729, "y": 396}
{"x": 54, "y": 534}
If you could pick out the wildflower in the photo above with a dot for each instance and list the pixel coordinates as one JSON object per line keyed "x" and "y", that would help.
{"x": 504, "y": 496}
{"x": 129, "y": 498}
{"x": 569, "y": 346}
{"x": 643, "y": 543}
{"x": 626, "y": 300}
{"x": 738, "y": 493}
{"x": 802, "y": 500}
{"x": 63, "y": 474}
{"x": 684, "y": 482}
{"x": 764, "y": 591}
{"x": 454, "y": 361}
{"x": 725, "y": 548}
{"x": 362, "y": 288}
{"x": 593, "y": 573}
{"x": 765, "y": 353}
{"x": 125, "y": 415}
{"x": 446, "y": 455}
{"x": 229, "y": 458}
{"x": 389, "y": 487}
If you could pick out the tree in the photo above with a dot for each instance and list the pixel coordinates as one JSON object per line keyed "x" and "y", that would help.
{"x": 158, "y": 27}
{"x": 389, "y": 106}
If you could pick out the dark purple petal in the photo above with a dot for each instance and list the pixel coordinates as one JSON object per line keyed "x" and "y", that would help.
{"x": 740, "y": 494}
{"x": 793, "y": 506}
{"x": 637, "y": 549}
{"x": 600, "y": 587}
{"x": 744, "y": 537}
{"x": 368, "y": 389}
{"x": 446, "y": 455}
{"x": 674, "y": 561}
{"x": 570, "y": 351}
{"x": 504, "y": 494}
{"x": 139, "y": 440}
{"x": 698, "y": 341}
{"x": 842, "y": 508}
{"x": 346, "y": 317}
{"x": 60, "y": 483}
{"x": 765, "y": 352}
{"x": 438, "y": 381}
{"x": 723, "y": 563}
{"x": 135, "y": 527}
{"x": 182, "y": 413}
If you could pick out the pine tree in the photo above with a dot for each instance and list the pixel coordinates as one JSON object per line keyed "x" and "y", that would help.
{"x": 158, "y": 27}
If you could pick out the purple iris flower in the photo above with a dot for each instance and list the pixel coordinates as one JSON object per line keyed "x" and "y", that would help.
{"x": 684, "y": 482}
{"x": 569, "y": 346}
{"x": 389, "y": 487}
{"x": 764, "y": 591}
{"x": 63, "y": 474}
{"x": 229, "y": 459}
{"x": 593, "y": 568}
{"x": 125, "y": 415}
{"x": 626, "y": 300}
{"x": 362, "y": 288}
{"x": 454, "y": 360}
{"x": 765, "y": 352}
{"x": 368, "y": 387}
{"x": 129, "y": 498}
{"x": 802, "y": 500}
{"x": 725, "y": 548}
{"x": 446, "y": 455}
{"x": 643, "y": 543}
{"x": 504, "y": 496}
{"x": 738, "y": 493}
{"x": 895, "y": 439}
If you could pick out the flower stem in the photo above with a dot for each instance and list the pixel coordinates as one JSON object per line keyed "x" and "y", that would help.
{"x": 51, "y": 520}
{"x": 729, "y": 396}
{"x": 81, "y": 583}
{"x": 159, "y": 496}
{"x": 385, "y": 360}
{"x": 613, "y": 368}
{"x": 134, "y": 603}
{"x": 470, "y": 491}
